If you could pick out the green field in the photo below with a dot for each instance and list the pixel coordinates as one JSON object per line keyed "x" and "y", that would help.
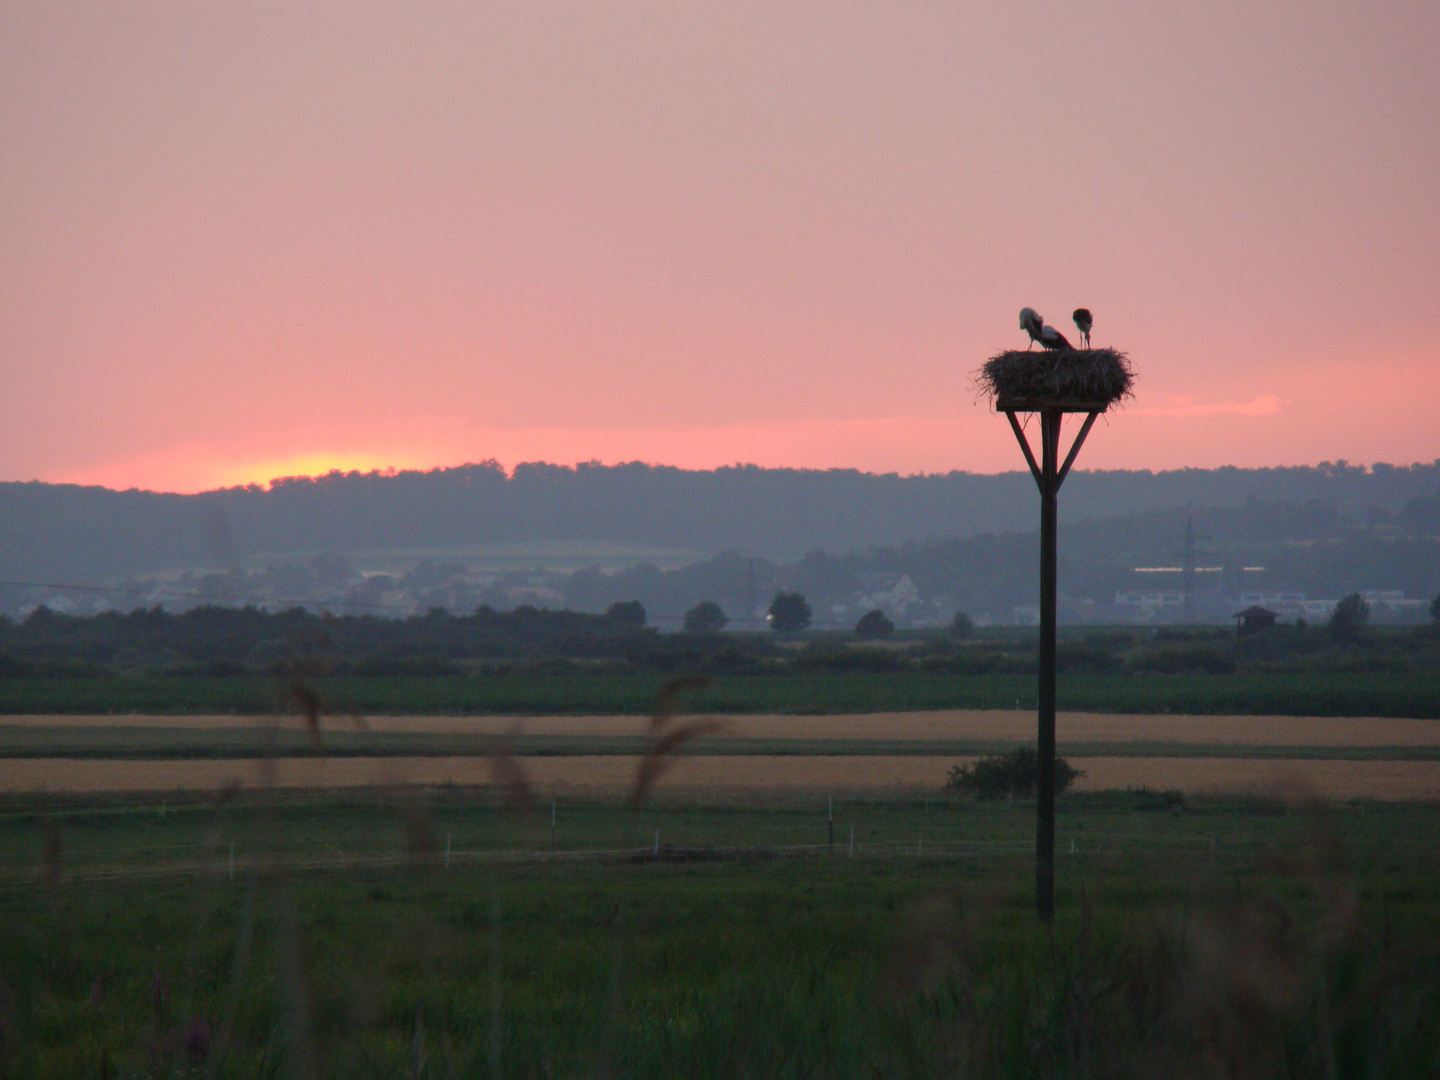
{"x": 535, "y": 693}
{"x": 1225, "y": 938}
{"x": 155, "y": 743}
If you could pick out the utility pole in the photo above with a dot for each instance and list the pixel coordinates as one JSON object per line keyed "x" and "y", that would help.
{"x": 749, "y": 591}
{"x": 1189, "y": 564}
{"x": 1189, "y": 615}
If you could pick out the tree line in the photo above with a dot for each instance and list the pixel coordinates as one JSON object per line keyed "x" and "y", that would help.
{"x": 67, "y": 532}
{"x": 217, "y": 641}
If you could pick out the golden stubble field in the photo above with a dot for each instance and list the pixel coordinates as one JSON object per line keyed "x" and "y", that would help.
{"x": 958, "y": 724}
{"x": 718, "y": 774}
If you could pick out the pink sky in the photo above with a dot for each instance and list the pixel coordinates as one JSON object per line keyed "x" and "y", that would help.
{"x": 250, "y": 239}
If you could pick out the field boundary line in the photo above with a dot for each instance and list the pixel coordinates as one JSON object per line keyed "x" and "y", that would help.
{"x": 436, "y": 862}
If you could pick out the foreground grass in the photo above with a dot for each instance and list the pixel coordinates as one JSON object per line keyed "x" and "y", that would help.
{"x": 1226, "y": 939}
{"x": 1261, "y": 693}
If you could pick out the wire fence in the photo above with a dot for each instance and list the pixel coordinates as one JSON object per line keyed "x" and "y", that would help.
{"x": 224, "y": 863}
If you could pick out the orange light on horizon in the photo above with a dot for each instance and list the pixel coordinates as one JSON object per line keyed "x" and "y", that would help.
{"x": 1351, "y": 411}
{"x": 187, "y": 470}
{"x": 321, "y": 463}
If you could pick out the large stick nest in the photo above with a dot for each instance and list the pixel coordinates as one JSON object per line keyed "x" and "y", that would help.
{"x": 1097, "y": 377}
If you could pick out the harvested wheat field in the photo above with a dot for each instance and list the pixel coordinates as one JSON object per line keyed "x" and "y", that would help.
{"x": 613, "y": 775}
{"x": 995, "y": 724}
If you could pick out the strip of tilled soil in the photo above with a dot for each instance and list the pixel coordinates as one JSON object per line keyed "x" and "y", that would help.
{"x": 1389, "y": 780}
{"x": 959, "y": 724}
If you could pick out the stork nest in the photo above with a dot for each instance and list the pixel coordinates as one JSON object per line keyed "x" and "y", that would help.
{"x": 1089, "y": 378}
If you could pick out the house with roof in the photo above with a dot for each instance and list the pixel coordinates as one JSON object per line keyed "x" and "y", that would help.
{"x": 1254, "y": 619}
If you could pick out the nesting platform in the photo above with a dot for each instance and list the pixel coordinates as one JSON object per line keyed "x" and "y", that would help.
{"x": 1067, "y": 380}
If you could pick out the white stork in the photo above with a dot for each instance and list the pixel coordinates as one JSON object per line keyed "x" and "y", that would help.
{"x": 1053, "y": 339}
{"x": 1084, "y": 320}
{"x": 1032, "y": 324}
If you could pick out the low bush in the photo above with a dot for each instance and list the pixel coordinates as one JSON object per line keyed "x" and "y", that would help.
{"x": 1348, "y": 620}
{"x": 1007, "y": 776}
{"x": 874, "y": 626}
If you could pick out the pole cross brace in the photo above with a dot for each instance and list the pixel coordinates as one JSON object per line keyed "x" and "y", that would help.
{"x": 1050, "y": 430}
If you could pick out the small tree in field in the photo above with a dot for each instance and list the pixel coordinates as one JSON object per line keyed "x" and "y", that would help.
{"x": 961, "y": 625}
{"x": 1349, "y": 618}
{"x": 789, "y": 613}
{"x": 1007, "y": 776}
{"x": 874, "y": 626}
{"x": 1435, "y": 609}
{"x": 705, "y": 617}
{"x": 626, "y": 613}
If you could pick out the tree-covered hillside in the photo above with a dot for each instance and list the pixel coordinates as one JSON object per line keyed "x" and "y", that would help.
{"x": 54, "y": 532}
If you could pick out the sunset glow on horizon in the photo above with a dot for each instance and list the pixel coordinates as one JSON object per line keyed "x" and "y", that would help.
{"x": 246, "y": 241}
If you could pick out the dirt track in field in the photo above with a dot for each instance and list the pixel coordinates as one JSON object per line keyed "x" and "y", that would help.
{"x": 1397, "y": 780}
{"x": 994, "y": 724}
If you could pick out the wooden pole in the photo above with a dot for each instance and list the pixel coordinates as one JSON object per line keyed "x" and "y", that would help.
{"x": 1049, "y": 474}
{"x": 1045, "y": 735}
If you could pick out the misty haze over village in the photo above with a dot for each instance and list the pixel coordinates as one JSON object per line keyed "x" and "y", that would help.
{"x": 1200, "y": 546}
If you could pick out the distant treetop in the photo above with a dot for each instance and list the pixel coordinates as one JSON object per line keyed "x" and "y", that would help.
{"x": 626, "y": 613}
{"x": 706, "y": 617}
{"x": 789, "y": 613}
{"x": 874, "y": 626}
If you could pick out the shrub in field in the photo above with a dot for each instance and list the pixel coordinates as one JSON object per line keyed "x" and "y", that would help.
{"x": 705, "y": 617}
{"x": 961, "y": 626}
{"x": 1348, "y": 620}
{"x": 1007, "y": 776}
{"x": 789, "y": 613}
{"x": 873, "y": 626}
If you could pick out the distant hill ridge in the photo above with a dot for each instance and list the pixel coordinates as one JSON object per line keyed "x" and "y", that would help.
{"x": 69, "y": 532}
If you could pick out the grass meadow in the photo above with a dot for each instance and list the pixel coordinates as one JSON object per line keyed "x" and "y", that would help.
{"x": 537, "y": 693}
{"x": 454, "y": 933}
